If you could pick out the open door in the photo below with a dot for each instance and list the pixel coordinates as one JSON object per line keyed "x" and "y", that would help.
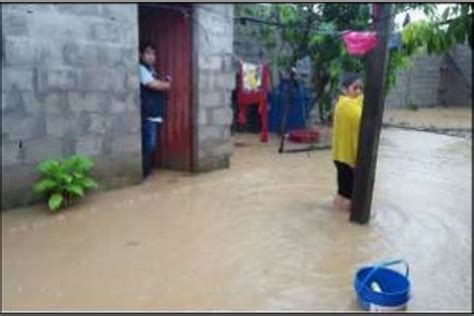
{"x": 170, "y": 30}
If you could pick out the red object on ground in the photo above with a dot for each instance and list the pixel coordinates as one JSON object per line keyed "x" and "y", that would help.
{"x": 257, "y": 97}
{"x": 359, "y": 43}
{"x": 307, "y": 136}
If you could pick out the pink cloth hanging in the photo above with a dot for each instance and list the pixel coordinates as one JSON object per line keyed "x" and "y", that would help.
{"x": 359, "y": 43}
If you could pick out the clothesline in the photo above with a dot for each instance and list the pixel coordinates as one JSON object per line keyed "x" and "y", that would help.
{"x": 187, "y": 12}
{"x": 323, "y": 32}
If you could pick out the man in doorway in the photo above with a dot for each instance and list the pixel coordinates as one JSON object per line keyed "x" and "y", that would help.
{"x": 152, "y": 104}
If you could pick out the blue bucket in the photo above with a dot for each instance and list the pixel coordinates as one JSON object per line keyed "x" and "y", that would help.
{"x": 383, "y": 289}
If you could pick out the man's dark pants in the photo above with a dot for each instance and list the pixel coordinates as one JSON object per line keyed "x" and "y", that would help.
{"x": 150, "y": 136}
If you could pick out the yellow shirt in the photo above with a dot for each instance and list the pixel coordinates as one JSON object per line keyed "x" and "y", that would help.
{"x": 345, "y": 134}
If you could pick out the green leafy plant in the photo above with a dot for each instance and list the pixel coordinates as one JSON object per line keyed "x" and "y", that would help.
{"x": 64, "y": 180}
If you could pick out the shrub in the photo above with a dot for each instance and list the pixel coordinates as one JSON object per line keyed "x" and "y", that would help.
{"x": 63, "y": 180}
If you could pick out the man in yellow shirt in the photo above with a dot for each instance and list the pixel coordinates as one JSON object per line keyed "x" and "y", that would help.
{"x": 345, "y": 138}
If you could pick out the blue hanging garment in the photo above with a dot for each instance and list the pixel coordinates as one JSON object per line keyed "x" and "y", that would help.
{"x": 395, "y": 41}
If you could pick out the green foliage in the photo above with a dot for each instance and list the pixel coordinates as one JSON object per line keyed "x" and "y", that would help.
{"x": 438, "y": 36}
{"x": 305, "y": 35}
{"x": 63, "y": 180}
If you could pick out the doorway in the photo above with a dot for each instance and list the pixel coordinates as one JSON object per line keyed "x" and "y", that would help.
{"x": 169, "y": 28}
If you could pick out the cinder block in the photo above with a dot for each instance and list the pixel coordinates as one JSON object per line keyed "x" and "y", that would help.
{"x": 27, "y": 8}
{"x": 99, "y": 124}
{"x": 126, "y": 143}
{"x": 105, "y": 32}
{"x": 60, "y": 28}
{"x": 119, "y": 170}
{"x": 4, "y": 101}
{"x": 118, "y": 106}
{"x": 206, "y": 80}
{"x": 21, "y": 128}
{"x": 81, "y": 54}
{"x": 15, "y": 23}
{"x": 20, "y": 180}
{"x": 109, "y": 55}
{"x": 90, "y": 101}
{"x": 37, "y": 150}
{"x": 132, "y": 81}
{"x": 226, "y": 82}
{"x": 90, "y": 9}
{"x": 226, "y": 134}
{"x": 222, "y": 149}
{"x": 132, "y": 99}
{"x": 59, "y": 125}
{"x": 102, "y": 79}
{"x": 51, "y": 103}
{"x": 30, "y": 52}
{"x": 202, "y": 117}
{"x": 120, "y": 12}
{"x": 9, "y": 8}
{"x": 126, "y": 123}
{"x": 209, "y": 62}
{"x": 84, "y": 122}
{"x": 89, "y": 145}
{"x": 69, "y": 146}
{"x": 227, "y": 64}
{"x": 14, "y": 103}
{"x": 10, "y": 152}
{"x": 62, "y": 80}
{"x": 18, "y": 51}
{"x": 222, "y": 116}
{"x": 207, "y": 133}
{"x": 19, "y": 78}
{"x": 209, "y": 99}
{"x": 202, "y": 153}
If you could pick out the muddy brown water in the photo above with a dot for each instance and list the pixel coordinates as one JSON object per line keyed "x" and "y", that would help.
{"x": 261, "y": 235}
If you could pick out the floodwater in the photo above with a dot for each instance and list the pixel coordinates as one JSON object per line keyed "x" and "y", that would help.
{"x": 439, "y": 117}
{"x": 261, "y": 235}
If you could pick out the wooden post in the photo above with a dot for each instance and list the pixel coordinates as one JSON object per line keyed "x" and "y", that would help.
{"x": 289, "y": 101}
{"x": 371, "y": 122}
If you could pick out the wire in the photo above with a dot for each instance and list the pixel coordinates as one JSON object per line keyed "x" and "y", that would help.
{"x": 334, "y": 33}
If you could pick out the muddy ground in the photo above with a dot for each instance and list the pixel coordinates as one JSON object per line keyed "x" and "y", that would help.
{"x": 261, "y": 235}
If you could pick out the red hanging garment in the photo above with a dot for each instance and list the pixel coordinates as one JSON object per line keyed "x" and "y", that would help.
{"x": 257, "y": 97}
{"x": 359, "y": 43}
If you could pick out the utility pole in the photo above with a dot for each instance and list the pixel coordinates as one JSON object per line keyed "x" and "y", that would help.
{"x": 372, "y": 116}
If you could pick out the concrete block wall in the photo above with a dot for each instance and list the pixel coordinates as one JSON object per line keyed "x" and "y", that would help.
{"x": 457, "y": 87}
{"x": 422, "y": 83}
{"x": 214, "y": 79}
{"x": 418, "y": 85}
{"x": 69, "y": 85}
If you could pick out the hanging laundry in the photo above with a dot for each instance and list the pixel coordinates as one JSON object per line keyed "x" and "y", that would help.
{"x": 303, "y": 66}
{"x": 251, "y": 77}
{"x": 359, "y": 43}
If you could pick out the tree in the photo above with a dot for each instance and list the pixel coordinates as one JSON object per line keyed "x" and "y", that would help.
{"x": 289, "y": 32}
